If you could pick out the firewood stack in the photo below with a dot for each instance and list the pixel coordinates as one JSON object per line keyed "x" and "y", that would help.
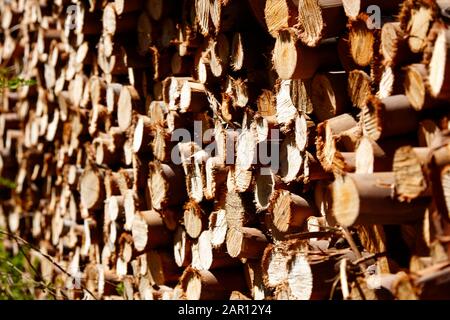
{"x": 138, "y": 157}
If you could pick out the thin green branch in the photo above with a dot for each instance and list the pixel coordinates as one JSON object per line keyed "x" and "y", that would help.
{"x": 46, "y": 256}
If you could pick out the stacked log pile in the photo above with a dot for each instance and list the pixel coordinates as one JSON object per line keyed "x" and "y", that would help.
{"x": 216, "y": 149}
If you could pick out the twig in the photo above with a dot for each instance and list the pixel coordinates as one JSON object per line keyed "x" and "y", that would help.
{"x": 353, "y": 246}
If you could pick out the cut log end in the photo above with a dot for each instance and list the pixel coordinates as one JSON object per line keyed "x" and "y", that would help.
{"x": 415, "y": 87}
{"x": 237, "y": 52}
{"x": 264, "y": 189}
{"x": 91, "y": 189}
{"x": 218, "y": 227}
{"x": 279, "y": 14}
{"x": 290, "y": 160}
{"x": 438, "y": 63}
{"x": 364, "y": 156}
{"x": 352, "y": 8}
{"x": 158, "y": 182}
{"x": 371, "y": 117}
{"x": 181, "y": 247}
{"x": 245, "y": 242}
{"x": 326, "y": 96}
{"x": 274, "y": 266}
{"x": 445, "y": 182}
{"x": 155, "y": 8}
{"x": 359, "y": 87}
{"x": 391, "y": 37}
